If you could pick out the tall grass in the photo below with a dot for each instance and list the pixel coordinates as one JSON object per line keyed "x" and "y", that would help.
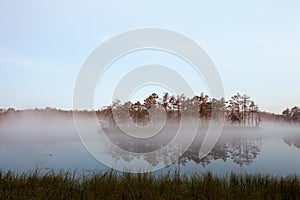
{"x": 110, "y": 185}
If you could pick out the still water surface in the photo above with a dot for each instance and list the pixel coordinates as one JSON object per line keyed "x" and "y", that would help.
{"x": 27, "y": 144}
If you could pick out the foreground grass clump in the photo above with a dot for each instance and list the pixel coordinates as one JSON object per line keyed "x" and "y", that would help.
{"x": 110, "y": 185}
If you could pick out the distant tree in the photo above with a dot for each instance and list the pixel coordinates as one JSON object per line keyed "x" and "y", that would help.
{"x": 205, "y": 106}
{"x": 218, "y": 108}
{"x": 245, "y": 106}
{"x": 286, "y": 114}
{"x": 292, "y": 114}
{"x": 234, "y": 106}
{"x": 165, "y": 101}
{"x": 295, "y": 114}
{"x": 151, "y": 100}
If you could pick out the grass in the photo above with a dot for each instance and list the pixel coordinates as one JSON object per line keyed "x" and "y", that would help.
{"x": 110, "y": 185}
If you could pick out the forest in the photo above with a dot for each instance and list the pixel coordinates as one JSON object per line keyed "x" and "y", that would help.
{"x": 240, "y": 110}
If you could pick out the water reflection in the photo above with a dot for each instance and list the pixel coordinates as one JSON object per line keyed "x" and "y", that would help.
{"x": 30, "y": 142}
{"x": 241, "y": 150}
{"x": 292, "y": 140}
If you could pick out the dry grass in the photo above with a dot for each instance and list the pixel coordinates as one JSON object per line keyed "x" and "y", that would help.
{"x": 112, "y": 185}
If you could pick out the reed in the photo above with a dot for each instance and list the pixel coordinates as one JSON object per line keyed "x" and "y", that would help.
{"x": 116, "y": 185}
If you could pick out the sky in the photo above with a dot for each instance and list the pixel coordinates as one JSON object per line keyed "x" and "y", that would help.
{"x": 255, "y": 46}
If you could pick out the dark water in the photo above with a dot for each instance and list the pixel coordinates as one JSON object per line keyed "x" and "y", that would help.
{"x": 27, "y": 144}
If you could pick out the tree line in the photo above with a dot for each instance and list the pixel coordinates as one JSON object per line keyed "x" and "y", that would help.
{"x": 239, "y": 109}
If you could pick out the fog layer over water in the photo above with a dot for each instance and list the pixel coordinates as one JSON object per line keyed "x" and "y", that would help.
{"x": 49, "y": 140}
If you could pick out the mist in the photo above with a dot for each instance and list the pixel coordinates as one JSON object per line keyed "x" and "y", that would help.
{"x": 50, "y": 139}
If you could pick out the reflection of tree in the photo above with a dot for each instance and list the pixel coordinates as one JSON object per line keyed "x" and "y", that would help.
{"x": 292, "y": 141}
{"x": 244, "y": 152}
{"x": 240, "y": 150}
{"x": 169, "y": 153}
{"x": 218, "y": 152}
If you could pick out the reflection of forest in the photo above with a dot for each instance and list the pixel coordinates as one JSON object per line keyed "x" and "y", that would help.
{"x": 240, "y": 150}
{"x": 292, "y": 141}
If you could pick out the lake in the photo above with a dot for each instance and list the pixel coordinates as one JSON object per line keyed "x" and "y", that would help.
{"x": 30, "y": 142}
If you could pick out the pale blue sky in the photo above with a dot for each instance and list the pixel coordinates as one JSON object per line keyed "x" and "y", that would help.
{"x": 255, "y": 45}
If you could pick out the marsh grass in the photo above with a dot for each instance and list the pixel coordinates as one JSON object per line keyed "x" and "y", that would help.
{"x": 112, "y": 185}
